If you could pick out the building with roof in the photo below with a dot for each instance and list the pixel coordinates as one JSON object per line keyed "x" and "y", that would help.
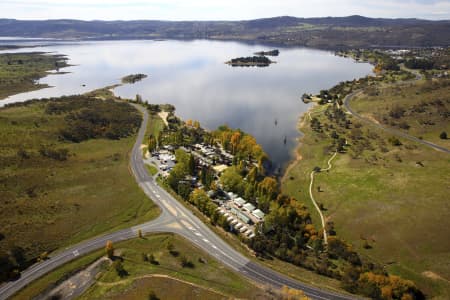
{"x": 239, "y": 202}
{"x": 241, "y": 216}
{"x": 249, "y": 207}
{"x": 258, "y": 214}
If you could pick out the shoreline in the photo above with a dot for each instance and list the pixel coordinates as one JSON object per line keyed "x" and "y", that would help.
{"x": 297, "y": 154}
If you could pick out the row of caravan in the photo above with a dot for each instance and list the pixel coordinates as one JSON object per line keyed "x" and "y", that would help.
{"x": 238, "y": 226}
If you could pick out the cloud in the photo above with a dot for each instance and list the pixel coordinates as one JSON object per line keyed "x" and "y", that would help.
{"x": 219, "y": 9}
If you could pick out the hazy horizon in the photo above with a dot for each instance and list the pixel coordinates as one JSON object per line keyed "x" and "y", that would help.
{"x": 218, "y": 10}
{"x": 218, "y": 20}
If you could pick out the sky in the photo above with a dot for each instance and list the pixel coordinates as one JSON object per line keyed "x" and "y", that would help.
{"x": 219, "y": 9}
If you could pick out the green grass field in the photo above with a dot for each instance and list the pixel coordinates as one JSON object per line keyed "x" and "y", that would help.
{"x": 155, "y": 125}
{"x": 206, "y": 276}
{"x": 163, "y": 288}
{"x": 152, "y": 169}
{"x": 20, "y": 71}
{"x": 421, "y": 110}
{"x": 47, "y": 204}
{"x": 395, "y": 197}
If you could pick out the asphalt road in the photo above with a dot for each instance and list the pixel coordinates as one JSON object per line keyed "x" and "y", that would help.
{"x": 174, "y": 218}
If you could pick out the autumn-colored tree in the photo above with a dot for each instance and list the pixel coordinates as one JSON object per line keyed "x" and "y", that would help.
{"x": 388, "y": 286}
{"x": 109, "y": 249}
{"x": 196, "y": 124}
{"x": 234, "y": 141}
{"x": 378, "y": 69}
{"x": 201, "y": 200}
{"x": 213, "y": 186}
{"x": 268, "y": 188}
{"x": 189, "y": 123}
{"x": 43, "y": 255}
{"x": 292, "y": 294}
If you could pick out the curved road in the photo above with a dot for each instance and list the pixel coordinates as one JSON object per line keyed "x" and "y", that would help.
{"x": 399, "y": 133}
{"x": 174, "y": 218}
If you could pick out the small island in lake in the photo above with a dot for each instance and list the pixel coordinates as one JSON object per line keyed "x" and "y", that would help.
{"x": 133, "y": 78}
{"x": 251, "y": 61}
{"x": 275, "y": 52}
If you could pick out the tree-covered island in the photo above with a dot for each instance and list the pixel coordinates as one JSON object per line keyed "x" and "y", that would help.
{"x": 250, "y": 61}
{"x": 275, "y": 52}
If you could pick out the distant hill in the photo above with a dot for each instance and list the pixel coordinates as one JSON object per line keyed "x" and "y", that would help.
{"x": 328, "y": 32}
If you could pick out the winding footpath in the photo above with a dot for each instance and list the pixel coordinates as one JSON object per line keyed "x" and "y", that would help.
{"x": 322, "y": 219}
{"x": 174, "y": 218}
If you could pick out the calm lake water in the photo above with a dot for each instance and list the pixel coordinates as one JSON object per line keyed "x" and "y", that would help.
{"x": 192, "y": 76}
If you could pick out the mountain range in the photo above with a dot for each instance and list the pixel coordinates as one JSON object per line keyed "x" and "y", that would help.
{"x": 326, "y": 33}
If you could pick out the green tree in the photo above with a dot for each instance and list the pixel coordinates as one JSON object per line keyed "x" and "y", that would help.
{"x": 252, "y": 175}
{"x": 18, "y": 253}
{"x": 232, "y": 181}
{"x": 120, "y": 270}
{"x": 152, "y": 143}
{"x": 443, "y": 135}
{"x": 191, "y": 165}
{"x": 268, "y": 188}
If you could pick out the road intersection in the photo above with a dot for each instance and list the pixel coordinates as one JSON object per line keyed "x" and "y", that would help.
{"x": 174, "y": 218}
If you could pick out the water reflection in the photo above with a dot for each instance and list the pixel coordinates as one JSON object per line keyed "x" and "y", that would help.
{"x": 192, "y": 75}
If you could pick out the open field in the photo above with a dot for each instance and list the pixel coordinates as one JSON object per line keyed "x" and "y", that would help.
{"x": 205, "y": 277}
{"x": 164, "y": 287}
{"x": 20, "y": 72}
{"x": 393, "y": 197}
{"x": 50, "y": 200}
{"x": 421, "y": 110}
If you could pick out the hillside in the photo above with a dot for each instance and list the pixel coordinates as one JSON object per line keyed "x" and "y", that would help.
{"x": 384, "y": 194}
{"x": 329, "y": 33}
{"x": 64, "y": 176}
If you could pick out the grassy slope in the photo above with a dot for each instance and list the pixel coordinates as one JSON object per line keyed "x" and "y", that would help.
{"x": 154, "y": 126}
{"x": 165, "y": 288}
{"x": 18, "y": 71}
{"x": 427, "y": 123}
{"x": 90, "y": 193}
{"x": 210, "y": 275}
{"x": 399, "y": 206}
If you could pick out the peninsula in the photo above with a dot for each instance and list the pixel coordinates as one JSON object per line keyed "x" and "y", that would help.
{"x": 133, "y": 78}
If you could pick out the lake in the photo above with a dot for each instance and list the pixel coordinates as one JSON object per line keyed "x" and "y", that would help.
{"x": 193, "y": 76}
